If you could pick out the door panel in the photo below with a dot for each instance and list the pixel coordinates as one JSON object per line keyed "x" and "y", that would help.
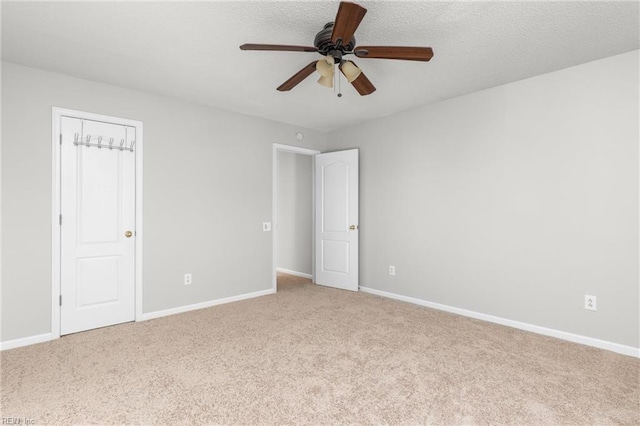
{"x": 336, "y": 259}
{"x": 335, "y": 206}
{"x": 98, "y": 207}
{"x": 335, "y": 256}
{"x": 99, "y": 195}
{"x": 98, "y": 280}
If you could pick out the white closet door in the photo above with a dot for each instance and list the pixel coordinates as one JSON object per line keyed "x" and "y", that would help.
{"x": 98, "y": 226}
{"x": 336, "y": 259}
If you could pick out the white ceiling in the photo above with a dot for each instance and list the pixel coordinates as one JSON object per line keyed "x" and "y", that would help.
{"x": 190, "y": 50}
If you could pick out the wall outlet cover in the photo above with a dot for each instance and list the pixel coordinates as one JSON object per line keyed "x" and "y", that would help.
{"x": 590, "y": 302}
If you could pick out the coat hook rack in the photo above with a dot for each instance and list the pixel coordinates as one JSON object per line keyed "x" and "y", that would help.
{"x": 79, "y": 141}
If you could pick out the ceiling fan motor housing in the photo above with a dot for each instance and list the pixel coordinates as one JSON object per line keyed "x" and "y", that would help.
{"x": 327, "y": 47}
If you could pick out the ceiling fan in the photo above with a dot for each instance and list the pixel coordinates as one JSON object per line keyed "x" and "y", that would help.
{"x": 336, "y": 40}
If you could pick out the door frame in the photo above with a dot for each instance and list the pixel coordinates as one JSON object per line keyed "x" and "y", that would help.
{"x": 56, "y": 191}
{"x": 274, "y": 215}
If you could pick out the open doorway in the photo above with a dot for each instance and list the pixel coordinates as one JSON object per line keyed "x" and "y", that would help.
{"x": 293, "y": 215}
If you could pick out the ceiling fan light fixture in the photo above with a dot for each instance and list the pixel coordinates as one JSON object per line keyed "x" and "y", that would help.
{"x": 350, "y": 71}
{"x": 336, "y": 40}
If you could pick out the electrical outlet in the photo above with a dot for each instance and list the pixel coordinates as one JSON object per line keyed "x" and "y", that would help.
{"x": 392, "y": 270}
{"x": 187, "y": 279}
{"x": 590, "y": 303}
{"x": 266, "y": 226}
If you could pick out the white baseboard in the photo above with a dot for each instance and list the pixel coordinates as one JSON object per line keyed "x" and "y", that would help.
{"x": 25, "y": 341}
{"x": 576, "y": 338}
{"x": 295, "y": 273}
{"x": 208, "y": 304}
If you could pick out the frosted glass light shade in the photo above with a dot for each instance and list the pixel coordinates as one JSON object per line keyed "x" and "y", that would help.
{"x": 350, "y": 71}
{"x": 325, "y": 66}
{"x": 326, "y": 81}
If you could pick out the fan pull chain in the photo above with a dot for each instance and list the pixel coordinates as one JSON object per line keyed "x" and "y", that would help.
{"x": 339, "y": 82}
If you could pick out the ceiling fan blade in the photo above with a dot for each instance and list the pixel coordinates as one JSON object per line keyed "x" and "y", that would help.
{"x": 298, "y": 77}
{"x": 278, "y": 47}
{"x": 347, "y": 20}
{"x": 394, "y": 52}
{"x": 361, "y": 83}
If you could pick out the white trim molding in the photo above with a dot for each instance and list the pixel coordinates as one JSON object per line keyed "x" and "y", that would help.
{"x": 294, "y": 273}
{"x": 56, "y": 116}
{"x": 563, "y": 335}
{"x": 208, "y": 304}
{"x": 25, "y": 341}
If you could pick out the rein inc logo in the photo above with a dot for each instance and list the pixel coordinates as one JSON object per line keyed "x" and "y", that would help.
{"x": 17, "y": 421}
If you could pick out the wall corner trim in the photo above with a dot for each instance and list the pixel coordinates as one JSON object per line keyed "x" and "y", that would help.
{"x": 25, "y": 341}
{"x": 563, "y": 335}
{"x": 202, "y": 305}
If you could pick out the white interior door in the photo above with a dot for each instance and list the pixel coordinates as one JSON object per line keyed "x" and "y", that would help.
{"x": 336, "y": 254}
{"x": 98, "y": 225}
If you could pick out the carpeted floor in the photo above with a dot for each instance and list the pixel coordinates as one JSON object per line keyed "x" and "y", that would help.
{"x": 314, "y": 355}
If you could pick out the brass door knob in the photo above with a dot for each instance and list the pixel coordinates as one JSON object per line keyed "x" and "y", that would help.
{"x": 353, "y": 227}
{"x": 128, "y": 234}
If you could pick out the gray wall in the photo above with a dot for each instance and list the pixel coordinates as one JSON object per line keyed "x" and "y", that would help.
{"x": 207, "y": 190}
{"x": 515, "y": 201}
{"x": 295, "y": 215}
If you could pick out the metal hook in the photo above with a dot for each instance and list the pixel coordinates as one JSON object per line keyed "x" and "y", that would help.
{"x": 88, "y": 141}
{"x": 110, "y": 143}
{"x": 132, "y": 144}
{"x": 76, "y": 138}
{"x": 121, "y": 144}
{"x": 99, "y": 142}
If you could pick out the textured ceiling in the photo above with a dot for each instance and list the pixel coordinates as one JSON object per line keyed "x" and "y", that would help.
{"x": 190, "y": 50}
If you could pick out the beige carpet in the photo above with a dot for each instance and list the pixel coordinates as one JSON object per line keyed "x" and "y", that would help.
{"x": 313, "y": 355}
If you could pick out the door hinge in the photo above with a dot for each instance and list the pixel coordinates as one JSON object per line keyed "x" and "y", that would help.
{"x": 60, "y": 300}
{"x": 60, "y": 220}
{"x": 60, "y": 138}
